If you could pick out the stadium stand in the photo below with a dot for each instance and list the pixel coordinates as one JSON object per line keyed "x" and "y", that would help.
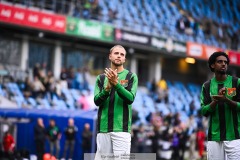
{"x": 160, "y": 18}
{"x": 203, "y": 22}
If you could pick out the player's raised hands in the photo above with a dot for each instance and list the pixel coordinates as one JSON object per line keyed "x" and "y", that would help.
{"x": 111, "y": 75}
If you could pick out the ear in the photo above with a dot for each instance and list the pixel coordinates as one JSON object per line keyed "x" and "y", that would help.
{"x": 212, "y": 66}
{"x": 124, "y": 59}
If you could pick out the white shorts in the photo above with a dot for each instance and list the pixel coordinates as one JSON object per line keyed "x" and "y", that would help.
{"x": 224, "y": 150}
{"x": 113, "y": 143}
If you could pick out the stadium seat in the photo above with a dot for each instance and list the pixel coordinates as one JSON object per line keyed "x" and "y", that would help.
{"x": 31, "y": 101}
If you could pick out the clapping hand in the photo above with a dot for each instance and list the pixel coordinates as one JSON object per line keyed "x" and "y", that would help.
{"x": 222, "y": 91}
{"x": 112, "y": 76}
{"x": 221, "y": 95}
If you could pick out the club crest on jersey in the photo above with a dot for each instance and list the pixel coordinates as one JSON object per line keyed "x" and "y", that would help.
{"x": 231, "y": 92}
{"x": 124, "y": 83}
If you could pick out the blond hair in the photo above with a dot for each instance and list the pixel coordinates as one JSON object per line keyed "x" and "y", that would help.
{"x": 119, "y": 46}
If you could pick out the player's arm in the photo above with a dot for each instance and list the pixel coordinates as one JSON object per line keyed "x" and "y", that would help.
{"x": 128, "y": 94}
{"x": 100, "y": 93}
{"x": 208, "y": 105}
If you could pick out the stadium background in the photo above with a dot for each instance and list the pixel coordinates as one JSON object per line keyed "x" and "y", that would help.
{"x": 76, "y": 33}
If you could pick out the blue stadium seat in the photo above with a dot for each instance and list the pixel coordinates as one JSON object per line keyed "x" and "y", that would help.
{"x": 32, "y": 102}
{"x": 75, "y": 94}
{"x": 2, "y": 92}
{"x": 19, "y": 100}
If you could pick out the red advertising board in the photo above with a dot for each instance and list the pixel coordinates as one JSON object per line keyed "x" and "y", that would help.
{"x": 195, "y": 50}
{"x": 31, "y": 18}
{"x": 209, "y": 50}
{"x": 234, "y": 57}
{"x": 200, "y": 51}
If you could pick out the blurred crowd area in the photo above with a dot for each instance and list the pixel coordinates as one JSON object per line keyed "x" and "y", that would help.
{"x": 211, "y": 23}
{"x": 40, "y": 89}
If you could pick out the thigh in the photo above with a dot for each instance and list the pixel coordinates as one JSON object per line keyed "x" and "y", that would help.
{"x": 215, "y": 150}
{"x": 232, "y": 149}
{"x": 66, "y": 145}
{"x": 51, "y": 144}
{"x": 57, "y": 144}
{"x": 121, "y": 142}
{"x": 104, "y": 145}
{"x": 72, "y": 143}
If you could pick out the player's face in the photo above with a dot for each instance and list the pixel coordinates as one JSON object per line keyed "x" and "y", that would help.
{"x": 117, "y": 56}
{"x": 220, "y": 65}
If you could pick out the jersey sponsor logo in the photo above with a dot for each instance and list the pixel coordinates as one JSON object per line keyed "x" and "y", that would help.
{"x": 124, "y": 83}
{"x": 231, "y": 92}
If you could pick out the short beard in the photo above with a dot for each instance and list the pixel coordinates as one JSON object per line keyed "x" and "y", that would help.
{"x": 117, "y": 64}
{"x": 221, "y": 72}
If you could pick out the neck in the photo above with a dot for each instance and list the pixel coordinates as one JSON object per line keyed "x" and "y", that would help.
{"x": 119, "y": 68}
{"x": 220, "y": 77}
